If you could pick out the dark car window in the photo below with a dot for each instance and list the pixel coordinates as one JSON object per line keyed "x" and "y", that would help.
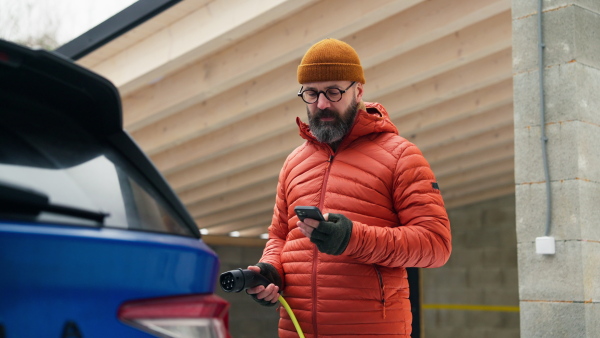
{"x": 45, "y": 152}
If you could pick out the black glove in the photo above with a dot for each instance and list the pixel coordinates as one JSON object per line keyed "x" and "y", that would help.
{"x": 269, "y": 272}
{"x": 332, "y": 236}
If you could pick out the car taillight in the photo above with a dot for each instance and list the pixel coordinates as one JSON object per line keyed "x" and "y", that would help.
{"x": 179, "y": 316}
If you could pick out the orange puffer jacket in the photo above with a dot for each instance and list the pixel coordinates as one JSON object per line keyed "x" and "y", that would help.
{"x": 383, "y": 184}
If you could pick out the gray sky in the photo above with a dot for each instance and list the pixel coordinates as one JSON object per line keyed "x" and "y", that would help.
{"x": 65, "y": 19}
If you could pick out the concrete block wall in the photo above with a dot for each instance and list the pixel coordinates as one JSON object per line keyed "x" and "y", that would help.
{"x": 559, "y": 294}
{"x": 481, "y": 273}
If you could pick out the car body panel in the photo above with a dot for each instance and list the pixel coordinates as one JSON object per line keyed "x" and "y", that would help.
{"x": 55, "y": 274}
{"x": 65, "y": 275}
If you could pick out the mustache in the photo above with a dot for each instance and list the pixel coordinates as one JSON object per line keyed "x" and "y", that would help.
{"x": 320, "y": 113}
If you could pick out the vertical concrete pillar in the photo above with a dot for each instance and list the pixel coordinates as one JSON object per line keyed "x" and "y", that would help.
{"x": 559, "y": 294}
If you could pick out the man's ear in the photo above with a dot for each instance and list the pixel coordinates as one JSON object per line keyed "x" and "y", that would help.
{"x": 359, "y": 91}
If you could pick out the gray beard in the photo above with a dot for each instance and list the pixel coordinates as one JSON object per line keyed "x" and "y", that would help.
{"x": 330, "y": 132}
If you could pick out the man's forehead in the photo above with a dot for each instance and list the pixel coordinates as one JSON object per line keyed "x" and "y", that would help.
{"x": 327, "y": 84}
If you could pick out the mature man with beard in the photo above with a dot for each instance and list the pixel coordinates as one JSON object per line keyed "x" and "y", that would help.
{"x": 346, "y": 276}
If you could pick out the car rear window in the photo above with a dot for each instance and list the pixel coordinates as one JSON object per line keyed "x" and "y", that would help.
{"x": 43, "y": 151}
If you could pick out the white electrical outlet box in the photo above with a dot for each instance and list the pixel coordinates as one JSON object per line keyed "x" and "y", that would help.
{"x": 545, "y": 245}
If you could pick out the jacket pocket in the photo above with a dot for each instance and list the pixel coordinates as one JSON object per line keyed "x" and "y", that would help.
{"x": 381, "y": 288}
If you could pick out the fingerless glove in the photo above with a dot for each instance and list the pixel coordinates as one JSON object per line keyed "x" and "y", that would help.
{"x": 269, "y": 272}
{"x": 332, "y": 236}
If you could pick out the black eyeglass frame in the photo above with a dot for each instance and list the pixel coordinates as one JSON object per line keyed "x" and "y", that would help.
{"x": 342, "y": 91}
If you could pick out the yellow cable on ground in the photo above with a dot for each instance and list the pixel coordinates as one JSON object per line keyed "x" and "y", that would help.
{"x": 291, "y": 314}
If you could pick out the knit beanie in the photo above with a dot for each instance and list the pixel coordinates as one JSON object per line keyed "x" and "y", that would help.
{"x": 330, "y": 60}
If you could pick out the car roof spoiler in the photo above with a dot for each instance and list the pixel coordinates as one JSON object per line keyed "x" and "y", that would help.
{"x": 94, "y": 102}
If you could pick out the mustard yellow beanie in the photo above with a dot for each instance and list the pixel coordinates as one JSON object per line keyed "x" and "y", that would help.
{"x": 330, "y": 60}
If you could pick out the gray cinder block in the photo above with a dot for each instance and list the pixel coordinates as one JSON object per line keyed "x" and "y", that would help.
{"x": 570, "y": 94}
{"x": 553, "y": 319}
{"x": 551, "y": 277}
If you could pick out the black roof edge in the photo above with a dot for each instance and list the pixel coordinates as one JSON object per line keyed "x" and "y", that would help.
{"x": 118, "y": 24}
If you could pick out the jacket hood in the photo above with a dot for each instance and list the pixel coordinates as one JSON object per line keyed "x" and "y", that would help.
{"x": 371, "y": 118}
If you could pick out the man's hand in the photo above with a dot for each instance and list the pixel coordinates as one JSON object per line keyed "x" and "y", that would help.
{"x": 267, "y": 296}
{"x": 331, "y": 236}
{"x": 309, "y": 225}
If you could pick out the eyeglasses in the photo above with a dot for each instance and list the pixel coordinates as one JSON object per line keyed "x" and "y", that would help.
{"x": 332, "y": 94}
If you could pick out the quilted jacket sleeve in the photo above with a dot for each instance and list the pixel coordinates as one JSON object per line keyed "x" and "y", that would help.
{"x": 423, "y": 237}
{"x": 277, "y": 230}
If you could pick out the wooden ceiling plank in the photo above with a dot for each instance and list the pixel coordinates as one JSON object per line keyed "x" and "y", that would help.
{"x": 474, "y": 186}
{"x": 477, "y": 75}
{"x": 131, "y": 39}
{"x": 211, "y": 27}
{"x": 458, "y": 48}
{"x": 233, "y": 199}
{"x": 281, "y": 145}
{"x": 255, "y": 129}
{"x": 477, "y": 173}
{"x": 263, "y": 218}
{"x": 474, "y": 159}
{"x": 179, "y": 159}
{"x": 232, "y": 183}
{"x": 489, "y": 138}
{"x": 279, "y": 44}
{"x": 261, "y": 93}
{"x": 508, "y": 189}
{"x": 419, "y": 25}
{"x": 274, "y": 89}
{"x": 258, "y": 206}
{"x": 242, "y": 159}
{"x": 457, "y": 108}
{"x": 253, "y": 154}
{"x": 463, "y": 129}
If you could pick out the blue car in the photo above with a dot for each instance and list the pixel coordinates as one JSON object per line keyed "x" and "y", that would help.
{"x": 93, "y": 241}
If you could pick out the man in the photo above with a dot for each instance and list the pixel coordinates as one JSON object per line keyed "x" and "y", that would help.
{"x": 384, "y": 212}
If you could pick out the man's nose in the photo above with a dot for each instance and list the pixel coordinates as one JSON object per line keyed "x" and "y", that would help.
{"x": 322, "y": 101}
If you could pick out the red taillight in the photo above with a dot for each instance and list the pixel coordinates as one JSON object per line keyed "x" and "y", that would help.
{"x": 179, "y": 316}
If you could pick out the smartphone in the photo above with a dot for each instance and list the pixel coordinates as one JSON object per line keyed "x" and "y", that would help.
{"x": 309, "y": 212}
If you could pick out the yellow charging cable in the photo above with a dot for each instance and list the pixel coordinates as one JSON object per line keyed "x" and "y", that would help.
{"x": 291, "y": 314}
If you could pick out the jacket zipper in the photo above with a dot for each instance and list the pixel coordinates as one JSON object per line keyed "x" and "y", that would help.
{"x": 316, "y": 251}
{"x": 381, "y": 289}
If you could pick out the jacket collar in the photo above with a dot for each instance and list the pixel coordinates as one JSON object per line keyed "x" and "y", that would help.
{"x": 371, "y": 118}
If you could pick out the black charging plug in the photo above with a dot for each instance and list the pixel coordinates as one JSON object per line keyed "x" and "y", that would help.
{"x": 241, "y": 279}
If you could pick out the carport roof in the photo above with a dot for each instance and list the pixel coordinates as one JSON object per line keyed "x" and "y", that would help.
{"x": 113, "y": 27}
